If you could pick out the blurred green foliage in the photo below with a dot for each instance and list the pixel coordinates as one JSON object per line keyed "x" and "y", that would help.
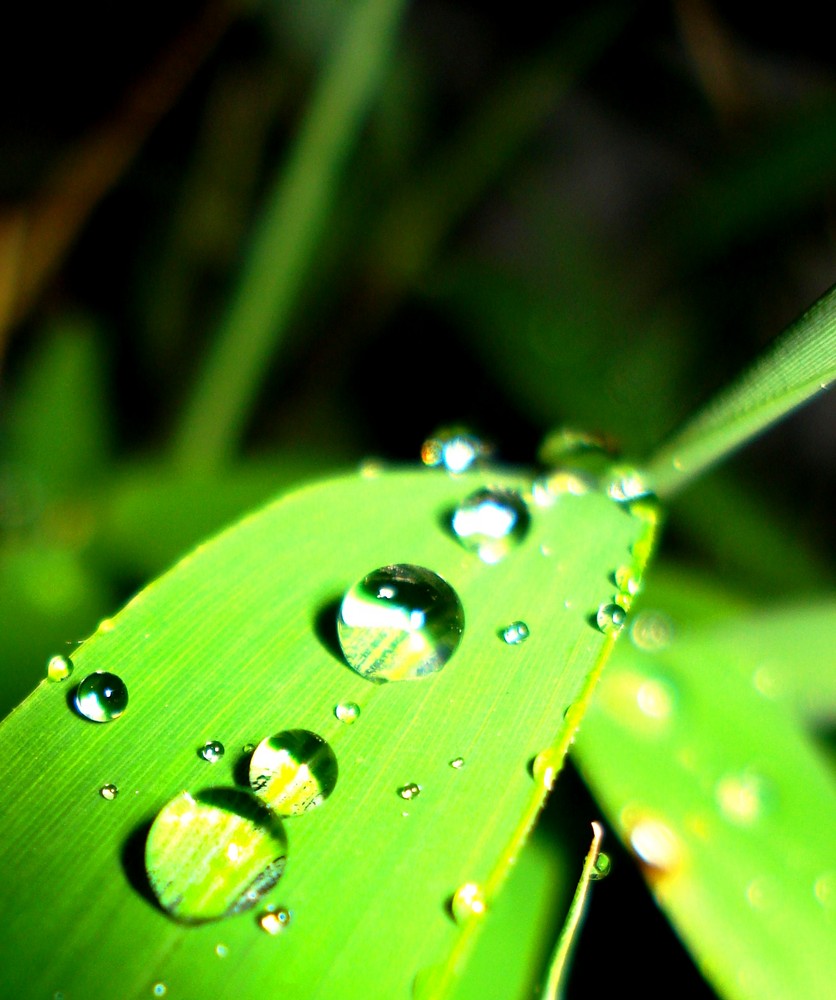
{"x": 593, "y": 214}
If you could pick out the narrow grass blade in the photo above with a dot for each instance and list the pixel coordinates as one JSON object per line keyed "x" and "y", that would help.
{"x": 800, "y": 364}
{"x": 237, "y": 643}
{"x": 286, "y": 238}
{"x": 706, "y": 775}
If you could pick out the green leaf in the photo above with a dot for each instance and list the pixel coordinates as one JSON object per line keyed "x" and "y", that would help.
{"x": 701, "y": 766}
{"x": 235, "y": 644}
{"x": 800, "y": 364}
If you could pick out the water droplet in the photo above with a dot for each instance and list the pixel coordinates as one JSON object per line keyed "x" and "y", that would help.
{"x": 221, "y": 950}
{"x": 626, "y": 580}
{"x": 347, "y": 712}
{"x": 457, "y": 763}
{"x": 651, "y": 631}
{"x": 293, "y": 771}
{"x": 601, "y": 867}
{"x": 455, "y": 448}
{"x": 741, "y": 797}
{"x": 400, "y": 622}
{"x": 274, "y": 920}
{"x": 627, "y": 484}
{"x": 547, "y": 489}
{"x": 159, "y": 989}
{"x": 248, "y": 748}
{"x": 101, "y": 697}
{"x": 655, "y": 698}
{"x": 655, "y": 844}
{"x": 545, "y": 767}
{"x": 611, "y": 618}
{"x": 570, "y": 446}
{"x": 214, "y": 854}
{"x": 410, "y": 791}
{"x": 109, "y": 792}
{"x": 515, "y": 633}
{"x": 468, "y": 901}
{"x": 212, "y": 751}
{"x": 491, "y": 522}
{"x": 59, "y": 668}
{"x": 106, "y": 625}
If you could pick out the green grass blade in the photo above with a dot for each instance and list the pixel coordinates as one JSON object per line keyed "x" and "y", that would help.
{"x": 800, "y": 364}
{"x": 235, "y": 643}
{"x": 704, "y": 772}
{"x": 286, "y": 238}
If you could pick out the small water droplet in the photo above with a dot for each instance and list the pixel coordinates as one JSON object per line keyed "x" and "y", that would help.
{"x": 274, "y": 920}
{"x": 627, "y": 484}
{"x": 611, "y": 618}
{"x": 601, "y": 867}
{"x": 401, "y": 622}
{"x": 101, "y": 697}
{"x": 491, "y": 522}
{"x": 626, "y": 580}
{"x": 159, "y": 989}
{"x": 571, "y": 446}
{"x": 741, "y": 797}
{"x": 248, "y": 748}
{"x": 109, "y": 792}
{"x": 410, "y": 791}
{"x": 212, "y": 751}
{"x": 107, "y": 625}
{"x": 59, "y": 668}
{"x": 515, "y": 633}
{"x": 548, "y": 489}
{"x": 455, "y": 448}
{"x": 347, "y": 712}
{"x": 214, "y": 854}
{"x": 468, "y": 901}
{"x": 651, "y": 631}
{"x": 546, "y": 767}
{"x": 221, "y": 950}
{"x": 655, "y": 844}
{"x": 457, "y": 763}
{"x": 294, "y": 771}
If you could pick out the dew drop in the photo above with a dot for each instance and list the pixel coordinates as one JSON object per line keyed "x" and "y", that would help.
{"x": 627, "y": 484}
{"x": 454, "y": 448}
{"x": 651, "y": 631}
{"x": 468, "y": 901}
{"x": 212, "y": 751}
{"x": 626, "y": 580}
{"x": 101, "y": 697}
{"x": 274, "y": 920}
{"x": 347, "y": 712}
{"x": 545, "y": 768}
{"x": 655, "y": 698}
{"x": 401, "y": 622}
{"x": 410, "y": 791}
{"x": 611, "y": 618}
{"x": 59, "y": 668}
{"x": 570, "y": 446}
{"x": 601, "y": 867}
{"x": 221, "y": 950}
{"x": 741, "y": 797}
{"x": 214, "y": 854}
{"x": 655, "y": 844}
{"x": 248, "y": 748}
{"x": 548, "y": 489}
{"x": 159, "y": 989}
{"x": 457, "y": 763}
{"x": 491, "y": 522}
{"x": 109, "y": 792}
{"x": 515, "y": 633}
{"x": 293, "y": 772}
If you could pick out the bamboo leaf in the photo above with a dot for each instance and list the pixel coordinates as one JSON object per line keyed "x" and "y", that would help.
{"x": 800, "y": 364}
{"x": 236, "y": 644}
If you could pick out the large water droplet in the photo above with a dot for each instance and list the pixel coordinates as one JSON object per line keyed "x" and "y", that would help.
{"x": 491, "y": 522}
{"x": 468, "y": 901}
{"x": 651, "y": 631}
{"x": 293, "y": 771}
{"x": 455, "y": 448}
{"x": 400, "y": 622}
{"x": 655, "y": 844}
{"x": 410, "y": 791}
{"x": 59, "y": 668}
{"x": 101, "y": 697}
{"x": 214, "y": 854}
{"x": 515, "y": 633}
{"x": 347, "y": 712}
{"x": 212, "y": 751}
{"x": 611, "y": 618}
{"x": 274, "y": 920}
{"x": 109, "y": 792}
{"x": 546, "y": 767}
{"x": 627, "y": 484}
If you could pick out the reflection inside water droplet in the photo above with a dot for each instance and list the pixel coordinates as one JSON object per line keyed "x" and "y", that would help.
{"x": 101, "y": 697}
{"x": 545, "y": 767}
{"x": 627, "y": 484}
{"x": 212, "y": 751}
{"x": 515, "y": 633}
{"x": 347, "y": 712}
{"x": 109, "y": 792}
{"x": 491, "y": 522}
{"x": 468, "y": 901}
{"x": 401, "y": 622}
{"x": 274, "y": 920}
{"x": 294, "y": 771}
{"x": 454, "y": 448}
{"x": 214, "y": 854}
{"x": 59, "y": 668}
